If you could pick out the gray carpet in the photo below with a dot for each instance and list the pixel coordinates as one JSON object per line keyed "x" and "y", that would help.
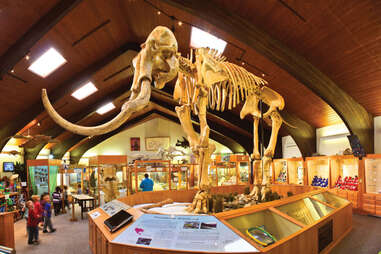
{"x": 365, "y": 237}
{"x": 72, "y": 237}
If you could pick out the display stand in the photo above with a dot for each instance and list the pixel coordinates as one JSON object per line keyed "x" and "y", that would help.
{"x": 280, "y": 172}
{"x": 98, "y": 164}
{"x": 318, "y": 167}
{"x": 158, "y": 170}
{"x": 180, "y": 176}
{"x": 42, "y": 175}
{"x": 296, "y": 171}
{"x": 7, "y": 231}
{"x": 314, "y": 221}
{"x": 371, "y": 198}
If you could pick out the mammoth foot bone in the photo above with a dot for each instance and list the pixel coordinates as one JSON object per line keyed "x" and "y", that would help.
{"x": 200, "y": 202}
{"x": 255, "y": 192}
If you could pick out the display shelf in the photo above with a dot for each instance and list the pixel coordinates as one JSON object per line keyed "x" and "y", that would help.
{"x": 344, "y": 172}
{"x": 100, "y": 169}
{"x": 318, "y": 168}
{"x": 373, "y": 175}
{"x": 280, "y": 171}
{"x": 295, "y": 168}
{"x": 226, "y": 173}
{"x": 180, "y": 176}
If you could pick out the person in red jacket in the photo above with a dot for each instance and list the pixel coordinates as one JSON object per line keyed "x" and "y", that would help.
{"x": 39, "y": 209}
{"x": 34, "y": 218}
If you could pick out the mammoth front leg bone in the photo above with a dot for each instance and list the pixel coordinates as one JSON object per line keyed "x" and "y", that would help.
{"x": 266, "y": 162}
{"x": 257, "y": 170}
{"x": 276, "y": 122}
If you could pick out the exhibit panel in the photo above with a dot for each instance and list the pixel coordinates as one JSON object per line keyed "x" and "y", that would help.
{"x": 316, "y": 221}
{"x": 371, "y": 198}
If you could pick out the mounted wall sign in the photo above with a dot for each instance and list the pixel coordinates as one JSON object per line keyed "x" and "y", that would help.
{"x": 154, "y": 143}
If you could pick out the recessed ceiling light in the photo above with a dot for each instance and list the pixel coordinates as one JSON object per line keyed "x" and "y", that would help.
{"x": 84, "y": 91}
{"x": 202, "y": 39}
{"x": 106, "y": 108}
{"x": 48, "y": 62}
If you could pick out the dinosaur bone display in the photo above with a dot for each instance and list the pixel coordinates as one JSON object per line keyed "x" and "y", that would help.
{"x": 209, "y": 81}
{"x": 212, "y": 82}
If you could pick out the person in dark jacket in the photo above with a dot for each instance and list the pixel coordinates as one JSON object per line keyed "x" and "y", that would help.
{"x": 146, "y": 184}
{"x": 57, "y": 200}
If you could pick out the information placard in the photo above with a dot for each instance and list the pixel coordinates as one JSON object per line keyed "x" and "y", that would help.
{"x": 188, "y": 233}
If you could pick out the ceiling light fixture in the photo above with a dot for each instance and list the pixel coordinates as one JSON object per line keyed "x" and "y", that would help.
{"x": 106, "y": 108}
{"x": 84, "y": 91}
{"x": 180, "y": 23}
{"x": 200, "y": 39}
{"x": 47, "y": 63}
{"x": 158, "y": 12}
{"x": 27, "y": 57}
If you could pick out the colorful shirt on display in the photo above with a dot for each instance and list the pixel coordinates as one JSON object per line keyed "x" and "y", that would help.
{"x": 146, "y": 184}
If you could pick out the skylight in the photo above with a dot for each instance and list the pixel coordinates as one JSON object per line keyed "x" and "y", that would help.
{"x": 47, "y": 63}
{"x": 106, "y": 108}
{"x": 84, "y": 91}
{"x": 200, "y": 38}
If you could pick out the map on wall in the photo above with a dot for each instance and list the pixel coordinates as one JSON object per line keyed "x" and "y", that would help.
{"x": 154, "y": 143}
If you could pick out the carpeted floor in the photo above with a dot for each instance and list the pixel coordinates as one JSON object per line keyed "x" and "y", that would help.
{"x": 365, "y": 237}
{"x": 72, "y": 237}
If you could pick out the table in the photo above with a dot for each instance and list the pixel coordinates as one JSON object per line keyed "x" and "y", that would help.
{"x": 81, "y": 199}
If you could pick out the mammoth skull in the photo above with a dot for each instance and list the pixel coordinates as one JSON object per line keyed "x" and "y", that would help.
{"x": 157, "y": 61}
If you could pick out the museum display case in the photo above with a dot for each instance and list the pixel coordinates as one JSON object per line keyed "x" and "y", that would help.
{"x": 316, "y": 221}
{"x": 226, "y": 173}
{"x": 371, "y": 198}
{"x": 158, "y": 171}
{"x": 42, "y": 175}
{"x": 318, "y": 171}
{"x": 345, "y": 172}
{"x": 107, "y": 177}
{"x": 280, "y": 171}
{"x": 180, "y": 176}
{"x": 296, "y": 171}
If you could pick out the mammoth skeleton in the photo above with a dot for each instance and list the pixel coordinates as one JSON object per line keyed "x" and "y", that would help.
{"x": 157, "y": 61}
{"x": 208, "y": 82}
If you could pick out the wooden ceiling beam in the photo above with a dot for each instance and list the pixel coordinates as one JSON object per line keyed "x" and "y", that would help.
{"x": 354, "y": 115}
{"x": 65, "y": 88}
{"x": 23, "y": 45}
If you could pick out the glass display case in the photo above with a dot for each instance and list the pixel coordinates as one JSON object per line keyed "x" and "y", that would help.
{"x": 306, "y": 211}
{"x": 295, "y": 168}
{"x": 373, "y": 175}
{"x": 280, "y": 171}
{"x": 42, "y": 176}
{"x": 331, "y": 199}
{"x": 318, "y": 171}
{"x": 107, "y": 177}
{"x": 179, "y": 176}
{"x": 158, "y": 171}
{"x": 268, "y": 226}
{"x": 345, "y": 172}
{"x": 226, "y": 173}
{"x": 243, "y": 169}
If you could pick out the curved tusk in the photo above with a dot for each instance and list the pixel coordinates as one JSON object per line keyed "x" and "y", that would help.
{"x": 128, "y": 109}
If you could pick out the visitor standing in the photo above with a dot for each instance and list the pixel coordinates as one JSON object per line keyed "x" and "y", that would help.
{"x": 57, "y": 200}
{"x": 47, "y": 214}
{"x": 66, "y": 197}
{"x": 33, "y": 219}
{"x": 147, "y": 183}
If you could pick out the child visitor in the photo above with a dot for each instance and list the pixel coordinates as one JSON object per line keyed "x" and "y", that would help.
{"x": 47, "y": 214}
{"x": 33, "y": 220}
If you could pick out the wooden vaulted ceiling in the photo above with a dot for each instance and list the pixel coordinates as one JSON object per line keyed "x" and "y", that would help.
{"x": 99, "y": 39}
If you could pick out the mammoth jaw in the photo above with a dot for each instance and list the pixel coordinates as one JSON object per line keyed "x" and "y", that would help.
{"x": 85, "y": 130}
